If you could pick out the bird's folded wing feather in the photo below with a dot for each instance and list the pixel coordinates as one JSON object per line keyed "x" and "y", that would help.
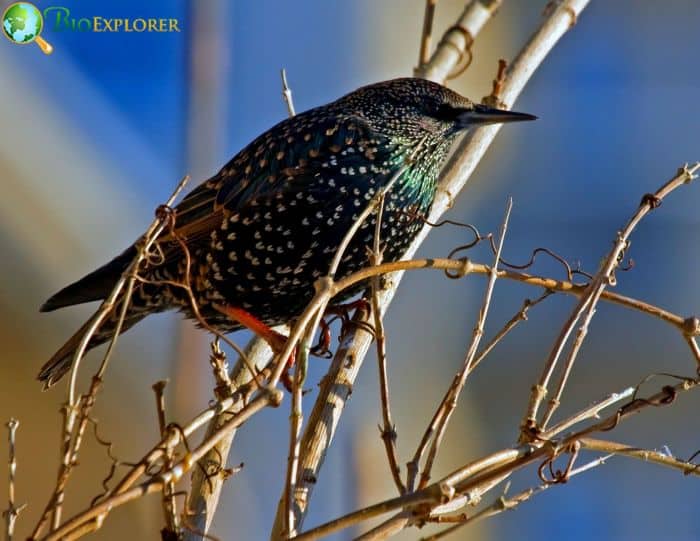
{"x": 286, "y": 158}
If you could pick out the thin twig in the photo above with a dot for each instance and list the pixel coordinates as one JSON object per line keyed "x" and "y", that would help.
{"x": 428, "y": 17}
{"x": 388, "y": 429}
{"x": 646, "y": 455}
{"x": 295, "y": 416}
{"x": 504, "y": 503}
{"x": 449, "y": 402}
{"x": 463, "y": 267}
{"x": 295, "y": 421}
{"x": 693, "y": 344}
{"x": 172, "y": 520}
{"x": 369, "y": 209}
{"x": 388, "y": 528}
{"x": 519, "y": 317}
{"x": 126, "y": 279}
{"x": 287, "y": 94}
{"x": 585, "y": 308}
{"x": 590, "y": 412}
{"x": 12, "y": 512}
{"x": 158, "y": 390}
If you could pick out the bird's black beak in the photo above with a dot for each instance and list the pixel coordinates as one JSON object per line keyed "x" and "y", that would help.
{"x": 482, "y": 115}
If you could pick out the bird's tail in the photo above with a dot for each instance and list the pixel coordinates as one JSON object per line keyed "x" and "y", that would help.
{"x": 61, "y": 361}
{"x": 95, "y": 286}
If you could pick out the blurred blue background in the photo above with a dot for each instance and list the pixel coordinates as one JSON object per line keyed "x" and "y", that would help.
{"x": 98, "y": 134}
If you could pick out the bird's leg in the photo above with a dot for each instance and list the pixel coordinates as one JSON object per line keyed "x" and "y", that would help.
{"x": 341, "y": 312}
{"x": 275, "y": 340}
{"x": 333, "y": 312}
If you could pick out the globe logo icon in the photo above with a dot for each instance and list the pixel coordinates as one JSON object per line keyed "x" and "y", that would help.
{"x": 22, "y": 23}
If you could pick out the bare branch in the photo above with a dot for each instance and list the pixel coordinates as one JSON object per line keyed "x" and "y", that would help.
{"x": 455, "y": 43}
{"x": 646, "y": 455}
{"x": 388, "y": 429}
{"x": 504, "y": 503}
{"x": 209, "y": 478}
{"x": 287, "y": 94}
{"x": 12, "y": 512}
{"x": 264, "y": 398}
{"x": 464, "y": 267}
{"x": 126, "y": 280}
{"x": 428, "y": 17}
{"x": 585, "y": 308}
{"x": 295, "y": 422}
{"x": 172, "y": 520}
{"x": 591, "y": 412}
{"x": 449, "y": 401}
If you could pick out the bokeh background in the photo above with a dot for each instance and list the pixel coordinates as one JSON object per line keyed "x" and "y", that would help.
{"x": 95, "y": 136}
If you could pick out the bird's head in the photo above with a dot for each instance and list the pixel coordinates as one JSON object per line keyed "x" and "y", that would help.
{"x": 414, "y": 108}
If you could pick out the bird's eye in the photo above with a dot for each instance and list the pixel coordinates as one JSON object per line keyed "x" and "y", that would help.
{"x": 446, "y": 113}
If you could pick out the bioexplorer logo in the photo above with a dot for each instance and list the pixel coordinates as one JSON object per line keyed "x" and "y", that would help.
{"x": 22, "y": 23}
{"x": 60, "y": 19}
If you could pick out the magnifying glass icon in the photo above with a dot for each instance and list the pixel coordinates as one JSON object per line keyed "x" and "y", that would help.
{"x": 22, "y": 23}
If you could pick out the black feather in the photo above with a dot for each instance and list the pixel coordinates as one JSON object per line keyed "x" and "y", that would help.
{"x": 93, "y": 287}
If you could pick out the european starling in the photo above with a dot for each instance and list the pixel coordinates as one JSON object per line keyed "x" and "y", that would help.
{"x": 263, "y": 229}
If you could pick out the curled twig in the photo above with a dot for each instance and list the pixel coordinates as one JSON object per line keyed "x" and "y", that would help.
{"x": 478, "y": 237}
{"x": 114, "y": 461}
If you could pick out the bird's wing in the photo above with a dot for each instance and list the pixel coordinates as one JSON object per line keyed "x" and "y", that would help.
{"x": 288, "y": 156}
{"x": 285, "y": 158}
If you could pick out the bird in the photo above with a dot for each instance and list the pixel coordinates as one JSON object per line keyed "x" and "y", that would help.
{"x": 258, "y": 234}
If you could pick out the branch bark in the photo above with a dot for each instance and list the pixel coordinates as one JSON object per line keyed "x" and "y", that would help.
{"x": 205, "y": 489}
{"x": 456, "y": 42}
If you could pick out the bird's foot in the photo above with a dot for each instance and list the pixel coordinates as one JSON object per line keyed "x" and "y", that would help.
{"x": 344, "y": 309}
{"x": 341, "y": 312}
{"x": 277, "y": 341}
